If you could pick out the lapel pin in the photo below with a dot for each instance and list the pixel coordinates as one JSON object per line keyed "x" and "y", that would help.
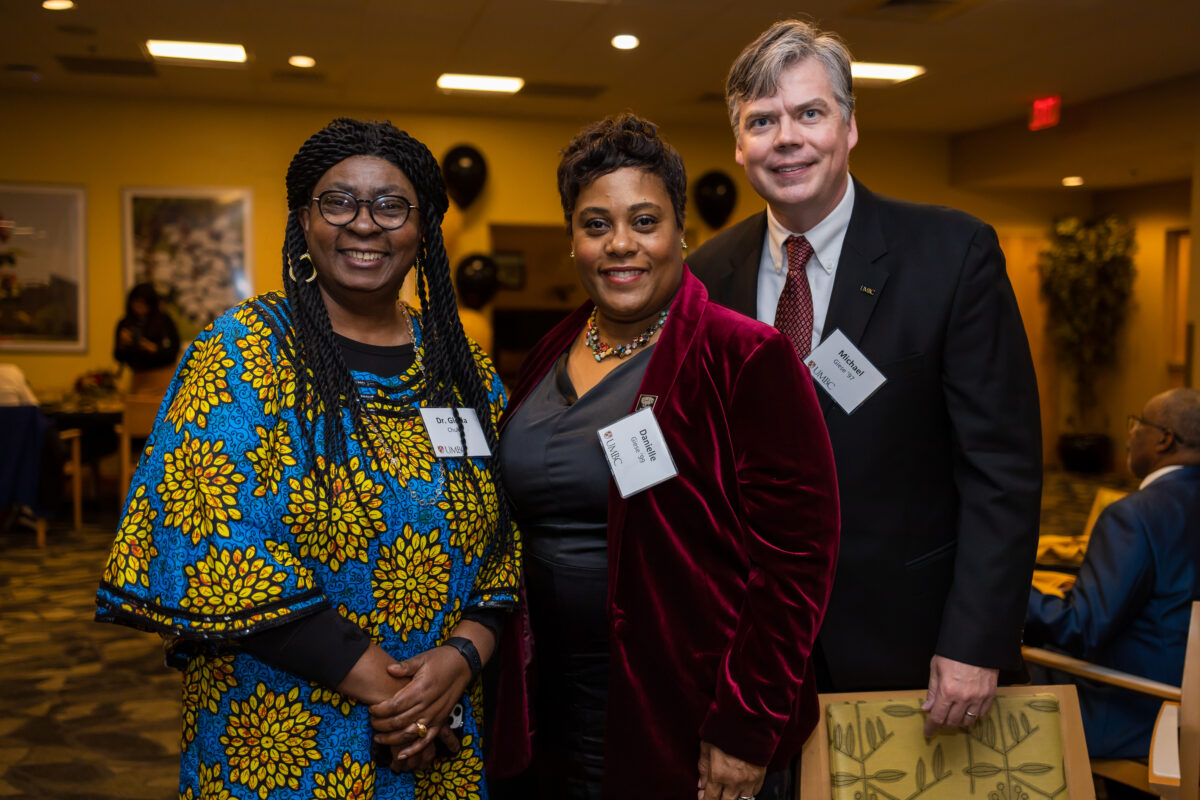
{"x": 646, "y": 401}
{"x": 866, "y": 289}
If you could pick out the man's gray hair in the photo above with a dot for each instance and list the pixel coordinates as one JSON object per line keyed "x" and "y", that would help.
{"x": 1181, "y": 413}
{"x": 755, "y": 73}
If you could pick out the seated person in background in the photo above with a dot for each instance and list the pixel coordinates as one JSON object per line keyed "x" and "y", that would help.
{"x": 31, "y": 469}
{"x": 14, "y": 389}
{"x": 476, "y": 282}
{"x": 1130, "y": 607}
{"x": 146, "y": 338}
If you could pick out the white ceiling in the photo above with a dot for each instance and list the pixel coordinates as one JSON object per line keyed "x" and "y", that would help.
{"x": 986, "y": 59}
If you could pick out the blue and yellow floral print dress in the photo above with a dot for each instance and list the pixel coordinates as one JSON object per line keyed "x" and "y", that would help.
{"x": 229, "y": 529}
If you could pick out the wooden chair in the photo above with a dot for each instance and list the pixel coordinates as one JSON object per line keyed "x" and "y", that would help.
{"x": 74, "y": 466}
{"x": 816, "y": 782}
{"x": 137, "y": 421}
{"x": 1174, "y": 768}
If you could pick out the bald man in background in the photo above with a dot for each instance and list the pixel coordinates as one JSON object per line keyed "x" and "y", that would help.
{"x": 1131, "y": 605}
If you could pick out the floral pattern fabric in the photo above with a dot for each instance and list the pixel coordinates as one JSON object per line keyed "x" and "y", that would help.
{"x": 230, "y": 528}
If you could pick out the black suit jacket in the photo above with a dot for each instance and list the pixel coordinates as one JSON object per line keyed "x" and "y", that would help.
{"x": 939, "y": 472}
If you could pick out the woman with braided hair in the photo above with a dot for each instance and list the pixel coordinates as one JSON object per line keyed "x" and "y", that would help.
{"x": 329, "y": 584}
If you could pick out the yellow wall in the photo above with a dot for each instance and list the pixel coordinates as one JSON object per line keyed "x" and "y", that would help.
{"x": 105, "y": 144}
{"x": 1142, "y": 361}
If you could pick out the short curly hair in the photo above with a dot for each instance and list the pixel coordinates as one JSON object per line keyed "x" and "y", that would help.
{"x": 613, "y": 143}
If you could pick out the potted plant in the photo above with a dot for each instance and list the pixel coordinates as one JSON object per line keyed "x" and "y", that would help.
{"x": 1087, "y": 281}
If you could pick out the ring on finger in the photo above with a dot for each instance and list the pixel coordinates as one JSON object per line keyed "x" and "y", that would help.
{"x": 745, "y": 797}
{"x": 971, "y": 714}
{"x": 422, "y": 729}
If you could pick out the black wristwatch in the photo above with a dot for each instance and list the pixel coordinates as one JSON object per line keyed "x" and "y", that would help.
{"x": 466, "y": 649}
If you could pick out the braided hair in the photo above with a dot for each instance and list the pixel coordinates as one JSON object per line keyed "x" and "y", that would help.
{"x": 323, "y": 379}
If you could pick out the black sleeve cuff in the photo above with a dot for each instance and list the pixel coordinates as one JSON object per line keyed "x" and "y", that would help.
{"x": 490, "y": 618}
{"x": 321, "y": 647}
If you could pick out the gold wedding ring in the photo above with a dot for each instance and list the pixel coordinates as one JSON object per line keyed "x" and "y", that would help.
{"x": 422, "y": 729}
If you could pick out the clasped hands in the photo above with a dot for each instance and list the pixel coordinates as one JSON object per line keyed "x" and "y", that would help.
{"x": 435, "y": 681}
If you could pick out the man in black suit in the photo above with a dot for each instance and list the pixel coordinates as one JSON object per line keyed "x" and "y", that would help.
{"x": 939, "y": 470}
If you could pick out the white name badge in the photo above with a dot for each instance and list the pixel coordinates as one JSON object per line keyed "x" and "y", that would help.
{"x": 637, "y": 452}
{"x": 843, "y": 371}
{"x": 442, "y": 425}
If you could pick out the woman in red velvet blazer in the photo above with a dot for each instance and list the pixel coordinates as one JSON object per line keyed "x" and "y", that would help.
{"x": 685, "y": 661}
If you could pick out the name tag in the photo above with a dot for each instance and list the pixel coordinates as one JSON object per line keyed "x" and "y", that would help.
{"x": 443, "y": 427}
{"x": 637, "y": 452}
{"x": 843, "y": 371}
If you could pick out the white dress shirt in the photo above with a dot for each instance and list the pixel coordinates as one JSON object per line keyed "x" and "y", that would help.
{"x": 1158, "y": 473}
{"x": 826, "y": 238}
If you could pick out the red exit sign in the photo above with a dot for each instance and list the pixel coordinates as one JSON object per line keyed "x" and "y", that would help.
{"x": 1045, "y": 112}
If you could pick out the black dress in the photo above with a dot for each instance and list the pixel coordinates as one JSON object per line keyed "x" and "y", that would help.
{"x": 558, "y": 479}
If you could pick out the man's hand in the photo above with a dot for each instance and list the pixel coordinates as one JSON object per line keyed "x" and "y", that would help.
{"x": 724, "y": 777}
{"x": 959, "y": 694}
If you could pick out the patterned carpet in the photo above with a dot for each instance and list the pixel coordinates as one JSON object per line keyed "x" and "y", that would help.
{"x": 89, "y": 712}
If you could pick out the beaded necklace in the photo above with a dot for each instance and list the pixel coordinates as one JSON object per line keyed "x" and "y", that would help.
{"x": 602, "y": 350}
{"x": 376, "y": 427}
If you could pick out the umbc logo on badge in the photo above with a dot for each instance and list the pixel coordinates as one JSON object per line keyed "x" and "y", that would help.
{"x": 637, "y": 451}
{"x": 646, "y": 401}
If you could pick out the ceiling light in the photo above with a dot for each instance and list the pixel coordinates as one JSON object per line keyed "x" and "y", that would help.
{"x": 1073, "y": 180}
{"x": 196, "y": 51}
{"x": 57, "y": 5}
{"x": 625, "y": 41}
{"x": 452, "y": 82}
{"x": 303, "y": 62}
{"x": 884, "y": 73}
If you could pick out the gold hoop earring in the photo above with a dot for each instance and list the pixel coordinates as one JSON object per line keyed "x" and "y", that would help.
{"x": 310, "y": 278}
{"x": 572, "y": 252}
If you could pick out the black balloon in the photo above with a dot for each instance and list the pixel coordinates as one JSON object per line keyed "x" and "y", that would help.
{"x": 715, "y": 197}
{"x": 477, "y": 279}
{"x": 465, "y": 172}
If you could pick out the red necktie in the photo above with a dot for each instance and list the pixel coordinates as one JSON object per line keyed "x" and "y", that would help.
{"x": 794, "y": 313}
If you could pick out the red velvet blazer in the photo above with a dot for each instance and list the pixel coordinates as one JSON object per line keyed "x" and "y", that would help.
{"x": 718, "y": 578}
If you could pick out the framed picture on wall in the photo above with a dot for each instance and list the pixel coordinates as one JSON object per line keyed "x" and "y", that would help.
{"x": 43, "y": 278}
{"x": 193, "y": 244}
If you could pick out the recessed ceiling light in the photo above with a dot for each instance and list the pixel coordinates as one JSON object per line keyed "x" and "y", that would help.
{"x": 1072, "y": 180}
{"x": 453, "y": 82}
{"x": 57, "y": 5}
{"x": 884, "y": 73}
{"x": 196, "y": 51}
{"x": 304, "y": 62}
{"x": 625, "y": 41}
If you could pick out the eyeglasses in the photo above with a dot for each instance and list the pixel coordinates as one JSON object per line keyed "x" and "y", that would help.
{"x": 1133, "y": 420}
{"x": 388, "y": 211}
